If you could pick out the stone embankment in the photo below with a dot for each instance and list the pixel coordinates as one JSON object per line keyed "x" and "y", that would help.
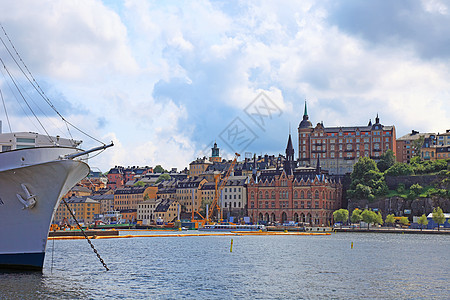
{"x": 398, "y": 205}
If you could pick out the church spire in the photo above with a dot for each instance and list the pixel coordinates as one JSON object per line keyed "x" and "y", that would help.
{"x": 306, "y": 111}
{"x": 289, "y": 162}
{"x": 289, "y": 149}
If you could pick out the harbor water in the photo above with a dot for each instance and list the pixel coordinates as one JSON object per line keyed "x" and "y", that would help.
{"x": 379, "y": 266}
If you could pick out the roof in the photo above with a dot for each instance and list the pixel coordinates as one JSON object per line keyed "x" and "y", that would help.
{"x": 78, "y": 188}
{"x": 415, "y": 135}
{"x": 190, "y": 182}
{"x": 84, "y": 199}
{"x": 164, "y": 205}
{"x": 130, "y": 190}
{"x": 355, "y": 128}
{"x": 103, "y": 197}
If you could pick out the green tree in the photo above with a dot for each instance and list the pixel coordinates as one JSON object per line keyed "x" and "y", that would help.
{"x": 162, "y": 177}
{"x": 367, "y": 180}
{"x": 387, "y": 159}
{"x": 356, "y": 216}
{"x": 139, "y": 183}
{"x": 340, "y": 215}
{"x": 390, "y": 219}
{"x": 416, "y": 188}
{"x": 399, "y": 169}
{"x": 438, "y": 216}
{"x": 158, "y": 169}
{"x": 379, "y": 219}
{"x": 404, "y": 221}
{"x": 417, "y": 145}
{"x": 369, "y": 217}
{"x": 362, "y": 191}
{"x": 423, "y": 221}
{"x": 361, "y": 170}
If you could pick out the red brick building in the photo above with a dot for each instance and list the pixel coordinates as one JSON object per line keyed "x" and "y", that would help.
{"x": 339, "y": 148}
{"x": 306, "y": 195}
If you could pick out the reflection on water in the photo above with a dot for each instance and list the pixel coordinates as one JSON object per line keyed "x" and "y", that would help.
{"x": 379, "y": 266}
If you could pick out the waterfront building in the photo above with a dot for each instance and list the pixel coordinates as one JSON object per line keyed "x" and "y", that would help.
{"x": 118, "y": 176}
{"x": 129, "y": 215}
{"x": 443, "y": 139}
{"x": 188, "y": 193}
{"x": 443, "y": 152}
{"x": 146, "y": 210}
{"x": 130, "y": 197}
{"x": 78, "y": 191}
{"x": 106, "y": 201}
{"x": 198, "y": 166}
{"x": 167, "y": 210}
{"x": 208, "y": 192}
{"x": 151, "y": 178}
{"x": 289, "y": 193}
{"x": 167, "y": 189}
{"x": 406, "y": 146}
{"x": 339, "y": 148}
{"x": 84, "y": 209}
{"x": 428, "y": 153}
{"x": 234, "y": 198}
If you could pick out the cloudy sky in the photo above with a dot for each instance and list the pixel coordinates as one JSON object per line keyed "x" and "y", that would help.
{"x": 165, "y": 79}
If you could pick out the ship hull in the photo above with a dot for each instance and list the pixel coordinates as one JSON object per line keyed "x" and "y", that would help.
{"x": 24, "y": 230}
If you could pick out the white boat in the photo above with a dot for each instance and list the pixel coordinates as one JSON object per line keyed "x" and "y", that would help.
{"x": 35, "y": 172}
{"x": 232, "y": 227}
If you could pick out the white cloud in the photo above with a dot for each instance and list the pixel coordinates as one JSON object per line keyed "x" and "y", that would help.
{"x": 107, "y": 62}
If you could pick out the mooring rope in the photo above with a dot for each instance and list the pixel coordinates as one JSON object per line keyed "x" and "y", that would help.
{"x": 85, "y": 236}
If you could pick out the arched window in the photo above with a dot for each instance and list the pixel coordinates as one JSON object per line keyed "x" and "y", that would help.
{"x": 316, "y": 194}
{"x": 267, "y": 195}
{"x": 295, "y": 194}
{"x": 273, "y": 194}
{"x": 260, "y": 195}
{"x": 281, "y": 195}
{"x": 252, "y": 195}
{"x": 323, "y": 195}
{"x": 309, "y": 195}
{"x": 302, "y": 195}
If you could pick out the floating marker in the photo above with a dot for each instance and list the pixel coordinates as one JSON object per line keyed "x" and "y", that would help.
{"x": 352, "y": 245}
{"x": 231, "y": 247}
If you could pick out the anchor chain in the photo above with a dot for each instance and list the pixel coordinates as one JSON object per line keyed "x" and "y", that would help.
{"x": 85, "y": 236}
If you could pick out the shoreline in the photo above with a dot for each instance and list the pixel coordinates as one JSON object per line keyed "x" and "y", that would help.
{"x": 393, "y": 230}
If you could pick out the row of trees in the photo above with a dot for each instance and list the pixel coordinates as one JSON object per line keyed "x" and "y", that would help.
{"x": 370, "y": 217}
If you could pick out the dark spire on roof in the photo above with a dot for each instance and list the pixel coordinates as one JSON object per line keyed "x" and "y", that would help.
{"x": 289, "y": 162}
{"x": 370, "y": 122}
{"x": 306, "y": 111}
{"x": 289, "y": 149}
{"x": 377, "y": 120}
